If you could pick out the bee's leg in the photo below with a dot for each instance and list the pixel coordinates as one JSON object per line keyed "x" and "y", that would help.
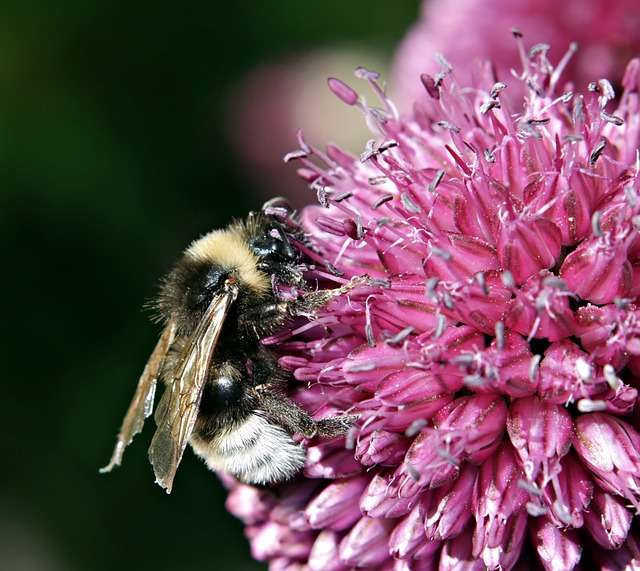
{"x": 306, "y": 304}
{"x": 336, "y": 426}
{"x": 312, "y": 301}
{"x": 265, "y": 319}
{"x": 292, "y": 417}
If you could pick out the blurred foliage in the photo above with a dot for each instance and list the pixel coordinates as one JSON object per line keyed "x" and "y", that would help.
{"x": 113, "y": 157}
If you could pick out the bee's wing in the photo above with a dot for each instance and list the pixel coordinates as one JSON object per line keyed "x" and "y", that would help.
{"x": 142, "y": 402}
{"x": 178, "y": 409}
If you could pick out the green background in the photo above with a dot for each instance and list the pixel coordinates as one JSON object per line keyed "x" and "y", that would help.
{"x": 113, "y": 156}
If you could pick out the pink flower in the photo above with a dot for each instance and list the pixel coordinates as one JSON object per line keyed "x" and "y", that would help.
{"x": 607, "y": 33}
{"x": 492, "y": 356}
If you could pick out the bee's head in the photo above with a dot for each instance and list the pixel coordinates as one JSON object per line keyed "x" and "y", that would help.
{"x": 274, "y": 241}
{"x": 272, "y": 244}
{"x": 200, "y": 274}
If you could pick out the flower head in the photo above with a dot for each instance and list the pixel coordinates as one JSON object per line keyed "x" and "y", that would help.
{"x": 608, "y": 34}
{"x": 492, "y": 356}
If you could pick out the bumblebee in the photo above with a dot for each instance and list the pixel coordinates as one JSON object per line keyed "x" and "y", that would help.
{"x": 225, "y": 392}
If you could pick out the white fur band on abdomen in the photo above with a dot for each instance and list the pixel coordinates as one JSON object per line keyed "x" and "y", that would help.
{"x": 255, "y": 452}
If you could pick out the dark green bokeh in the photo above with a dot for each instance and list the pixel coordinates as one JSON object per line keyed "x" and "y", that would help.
{"x": 113, "y": 157}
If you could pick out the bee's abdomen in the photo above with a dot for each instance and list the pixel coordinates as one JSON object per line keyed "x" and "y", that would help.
{"x": 254, "y": 451}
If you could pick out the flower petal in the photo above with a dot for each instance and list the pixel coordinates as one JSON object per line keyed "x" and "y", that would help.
{"x": 324, "y": 554}
{"x": 559, "y": 550}
{"x": 336, "y": 507}
{"x": 447, "y": 508}
{"x": 367, "y": 544}
{"x": 457, "y": 555}
{"x": 527, "y": 246}
{"x": 608, "y": 520}
{"x": 541, "y": 433}
{"x": 597, "y": 273}
{"x": 568, "y": 499}
{"x": 498, "y": 506}
{"x": 610, "y": 447}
